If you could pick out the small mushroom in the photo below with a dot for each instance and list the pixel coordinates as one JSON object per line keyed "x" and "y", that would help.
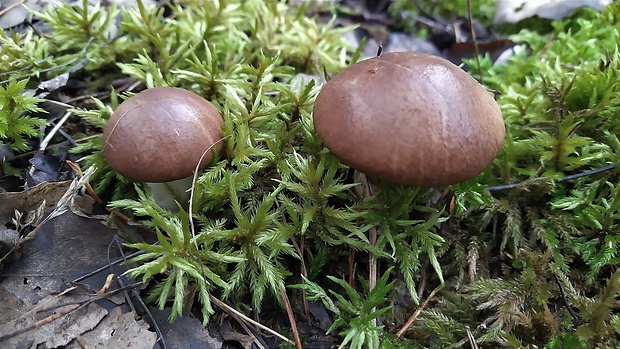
{"x": 410, "y": 118}
{"x": 158, "y": 136}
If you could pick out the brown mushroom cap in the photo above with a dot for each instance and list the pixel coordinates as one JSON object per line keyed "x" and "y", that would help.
{"x": 410, "y": 118}
{"x": 159, "y": 134}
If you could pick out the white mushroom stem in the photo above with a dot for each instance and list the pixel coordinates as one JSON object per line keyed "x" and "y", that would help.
{"x": 167, "y": 194}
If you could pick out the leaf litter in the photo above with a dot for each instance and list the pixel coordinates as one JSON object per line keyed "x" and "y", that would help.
{"x": 41, "y": 304}
{"x": 42, "y": 267}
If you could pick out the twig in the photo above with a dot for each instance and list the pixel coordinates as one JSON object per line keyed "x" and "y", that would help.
{"x": 120, "y": 277}
{"x": 70, "y": 308}
{"x": 255, "y": 339}
{"x": 473, "y": 37}
{"x": 572, "y": 313}
{"x": 472, "y": 339}
{"x": 110, "y": 264}
{"x": 56, "y": 128}
{"x": 11, "y": 6}
{"x": 547, "y": 44}
{"x": 417, "y": 312}
{"x": 304, "y": 270}
{"x": 191, "y": 194}
{"x": 49, "y": 137}
{"x": 235, "y": 313}
{"x": 43, "y": 303}
{"x": 94, "y": 195}
{"x": 32, "y": 152}
{"x": 80, "y": 340}
{"x": 59, "y": 104}
{"x": 482, "y": 327}
{"x": 372, "y": 238}
{"x": 121, "y": 282}
{"x": 12, "y": 73}
{"x": 563, "y": 179}
{"x": 41, "y": 322}
{"x": 291, "y": 318}
{"x": 352, "y": 267}
{"x": 422, "y": 283}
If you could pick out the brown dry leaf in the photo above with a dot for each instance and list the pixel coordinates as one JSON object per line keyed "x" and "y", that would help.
{"x": 83, "y": 207}
{"x": 31, "y": 199}
{"x": 30, "y": 204}
{"x": 243, "y": 339}
{"x": 54, "y": 334}
{"x": 66, "y": 248}
{"x": 118, "y": 330}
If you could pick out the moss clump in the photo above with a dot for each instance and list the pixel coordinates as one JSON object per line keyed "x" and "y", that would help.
{"x": 15, "y": 127}
{"x": 532, "y": 265}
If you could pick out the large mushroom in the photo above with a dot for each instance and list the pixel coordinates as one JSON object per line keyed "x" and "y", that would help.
{"x": 410, "y": 118}
{"x": 158, "y": 136}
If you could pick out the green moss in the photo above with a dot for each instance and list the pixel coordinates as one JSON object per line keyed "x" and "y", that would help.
{"x": 16, "y": 122}
{"x": 404, "y": 12}
{"x": 532, "y": 265}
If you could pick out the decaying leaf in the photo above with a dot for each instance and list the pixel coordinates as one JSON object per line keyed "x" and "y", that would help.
{"x": 55, "y": 333}
{"x": 31, "y": 199}
{"x": 118, "y": 330}
{"x": 66, "y": 248}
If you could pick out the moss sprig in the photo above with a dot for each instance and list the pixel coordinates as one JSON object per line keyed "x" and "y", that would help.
{"x": 16, "y": 122}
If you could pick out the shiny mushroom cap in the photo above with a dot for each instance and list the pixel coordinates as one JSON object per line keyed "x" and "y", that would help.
{"x": 410, "y": 118}
{"x": 159, "y": 135}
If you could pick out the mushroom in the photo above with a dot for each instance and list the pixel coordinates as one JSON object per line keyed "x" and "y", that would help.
{"x": 158, "y": 136}
{"x": 410, "y": 118}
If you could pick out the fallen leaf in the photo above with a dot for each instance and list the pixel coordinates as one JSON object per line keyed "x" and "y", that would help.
{"x": 30, "y": 199}
{"x": 52, "y": 84}
{"x": 243, "y": 339}
{"x": 65, "y": 249}
{"x": 513, "y": 11}
{"x": 118, "y": 330}
{"x": 53, "y": 334}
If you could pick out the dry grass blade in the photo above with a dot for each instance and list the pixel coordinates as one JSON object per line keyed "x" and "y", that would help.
{"x": 416, "y": 313}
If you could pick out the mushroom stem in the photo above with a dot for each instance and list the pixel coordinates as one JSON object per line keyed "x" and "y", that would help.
{"x": 167, "y": 194}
